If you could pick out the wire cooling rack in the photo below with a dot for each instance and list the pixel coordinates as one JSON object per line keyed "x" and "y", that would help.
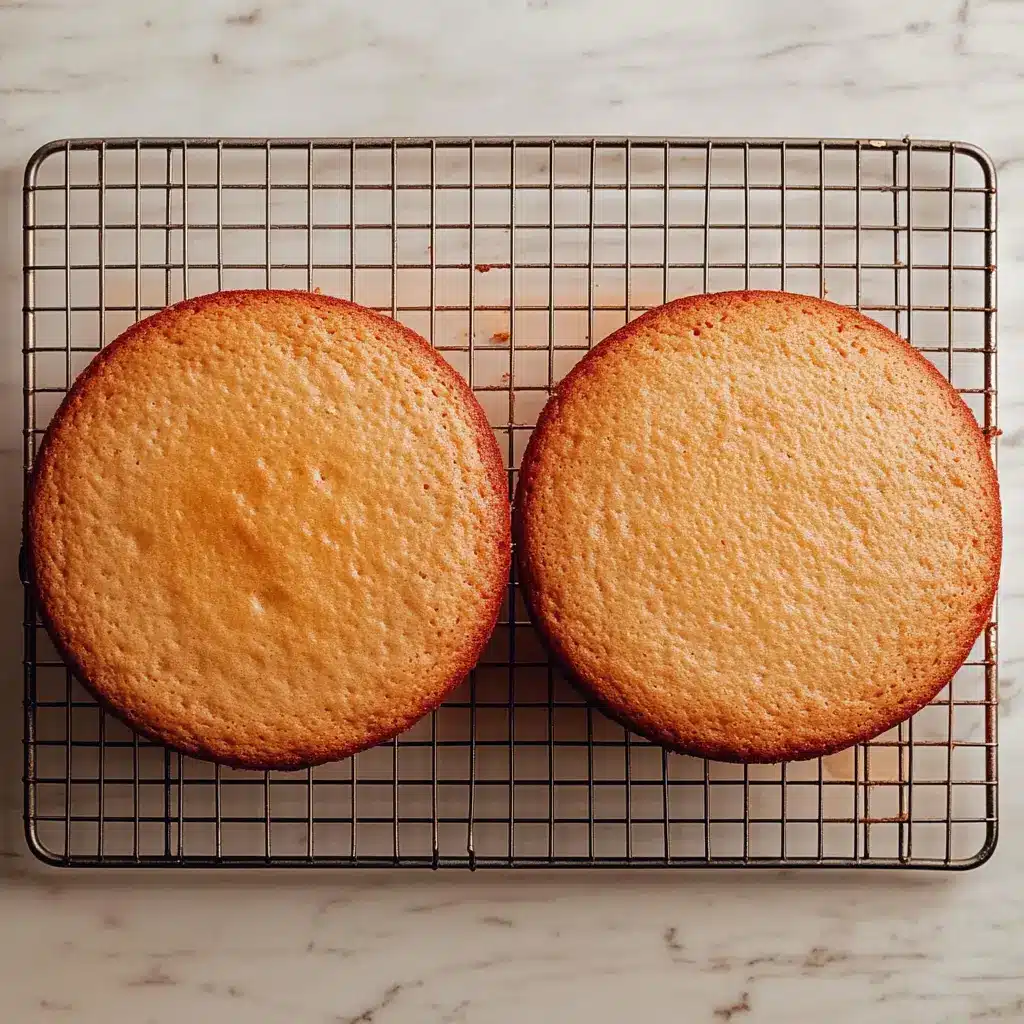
{"x": 513, "y": 256}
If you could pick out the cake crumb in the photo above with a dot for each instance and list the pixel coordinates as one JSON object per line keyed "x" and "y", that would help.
{"x": 501, "y": 337}
{"x": 483, "y": 268}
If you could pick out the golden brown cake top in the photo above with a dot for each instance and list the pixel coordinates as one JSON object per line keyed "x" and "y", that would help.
{"x": 759, "y": 526}
{"x": 270, "y": 528}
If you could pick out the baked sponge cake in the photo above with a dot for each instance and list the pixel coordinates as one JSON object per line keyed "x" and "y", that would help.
{"x": 269, "y": 528}
{"x": 758, "y": 526}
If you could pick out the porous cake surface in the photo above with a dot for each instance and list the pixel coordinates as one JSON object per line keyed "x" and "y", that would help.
{"x": 758, "y": 526}
{"x": 269, "y": 528}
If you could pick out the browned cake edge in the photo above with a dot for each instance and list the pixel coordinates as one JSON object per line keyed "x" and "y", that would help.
{"x": 497, "y": 577}
{"x": 628, "y": 716}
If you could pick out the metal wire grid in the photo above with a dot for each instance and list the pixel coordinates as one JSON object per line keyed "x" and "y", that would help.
{"x": 513, "y": 257}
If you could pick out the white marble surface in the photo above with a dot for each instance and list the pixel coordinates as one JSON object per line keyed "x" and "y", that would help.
{"x": 415, "y": 947}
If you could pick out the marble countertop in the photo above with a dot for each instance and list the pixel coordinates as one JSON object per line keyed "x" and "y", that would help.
{"x": 419, "y": 947}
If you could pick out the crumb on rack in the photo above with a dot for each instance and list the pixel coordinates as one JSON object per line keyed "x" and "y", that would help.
{"x": 483, "y": 268}
{"x": 501, "y": 337}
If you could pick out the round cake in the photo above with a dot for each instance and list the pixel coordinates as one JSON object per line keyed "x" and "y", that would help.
{"x": 269, "y": 528}
{"x": 758, "y": 526}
